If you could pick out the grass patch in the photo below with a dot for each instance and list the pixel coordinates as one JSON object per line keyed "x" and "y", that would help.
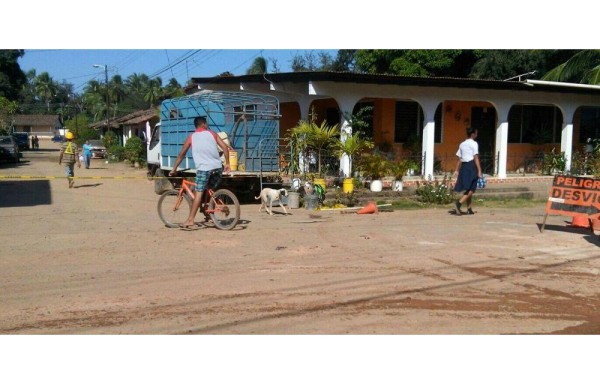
{"x": 513, "y": 202}
{"x": 408, "y": 203}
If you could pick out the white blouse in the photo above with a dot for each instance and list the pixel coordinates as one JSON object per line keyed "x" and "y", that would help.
{"x": 467, "y": 150}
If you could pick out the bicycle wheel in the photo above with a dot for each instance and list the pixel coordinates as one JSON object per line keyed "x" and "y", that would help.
{"x": 167, "y": 212}
{"x": 224, "y": 209}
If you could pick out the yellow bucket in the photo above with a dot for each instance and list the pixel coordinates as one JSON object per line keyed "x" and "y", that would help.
{"x": 348, "y": 185}
{"x": 321, "y": 182}
{"x": 233, "y": 160}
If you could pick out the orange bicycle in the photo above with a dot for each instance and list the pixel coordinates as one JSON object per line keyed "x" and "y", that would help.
{"x": 220, "y": 206}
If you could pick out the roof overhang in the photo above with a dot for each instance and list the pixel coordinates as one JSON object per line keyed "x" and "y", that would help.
{"x": 284, "y": 81}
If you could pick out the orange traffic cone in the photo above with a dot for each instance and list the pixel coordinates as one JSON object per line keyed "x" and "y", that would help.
{"x": 580, "y": 222}
{"x": 371, "y": 207}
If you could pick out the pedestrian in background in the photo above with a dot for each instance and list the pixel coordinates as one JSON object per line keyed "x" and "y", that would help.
{"x": 468, "y": 171}
{"x": 87, "y": 154}
{"x": 36, "y": 142}
{"x": 70, "y": 152}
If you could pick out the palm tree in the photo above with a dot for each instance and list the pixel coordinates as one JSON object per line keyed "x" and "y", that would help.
{"x": 137, "y": 83}
{"x": 318, "y": 137}
{"x": 117, "y": 91}
{"x": 153, "y": 91}
{"x": 45, "y": 88}
{"x": 353, "y": 146}
{"x": 173, "y": 89}
{"x": 582, "y": 67}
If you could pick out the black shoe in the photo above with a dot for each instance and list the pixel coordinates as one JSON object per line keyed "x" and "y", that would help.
{"x": 457, "y": 205}
{"x": 470, "y": 211}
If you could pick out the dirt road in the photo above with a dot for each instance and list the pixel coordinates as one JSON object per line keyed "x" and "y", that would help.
{"x": 96, "y": 259}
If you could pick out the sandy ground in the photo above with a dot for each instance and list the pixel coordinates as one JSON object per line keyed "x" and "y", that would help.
{"x": 96, "y": 259}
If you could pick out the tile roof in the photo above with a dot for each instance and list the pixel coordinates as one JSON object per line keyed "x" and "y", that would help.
{"x": 36, "y": 120}
{"x": 370, "y": 78}
{"x": 129, "y": 119}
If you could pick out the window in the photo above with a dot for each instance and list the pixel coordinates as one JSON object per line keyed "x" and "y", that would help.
{"x": 332, "y": 116}
{"x": 589, "y": 126}
{"x": 535, "y": 124}
{"x": 409, "y": 122}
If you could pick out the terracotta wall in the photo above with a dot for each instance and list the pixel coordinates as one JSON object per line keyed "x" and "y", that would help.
{"x": 290, "y": 115}
{"x": 456, "y": 117}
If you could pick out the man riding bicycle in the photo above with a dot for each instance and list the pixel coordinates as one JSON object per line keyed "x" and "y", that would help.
{"x": 209, "y": 167}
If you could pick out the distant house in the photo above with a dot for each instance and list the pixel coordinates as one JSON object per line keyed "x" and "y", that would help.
{"x": 40, "y": 125}
{"x": 426, "y": 117}
{"x": 133, "y": 124}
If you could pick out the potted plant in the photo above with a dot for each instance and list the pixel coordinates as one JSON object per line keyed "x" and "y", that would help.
{"x": 312, "y": 139}
{"x": 375, "y": 167}
{"x": 353, "y": 146}
{"x": 398, "y": 169}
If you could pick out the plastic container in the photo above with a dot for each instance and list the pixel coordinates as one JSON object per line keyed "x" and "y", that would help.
{"x": 348, "y": 185}
{"x": 233, "y": 160}
{"x": 293, "y": 200}
{"x": 311, "y": 202}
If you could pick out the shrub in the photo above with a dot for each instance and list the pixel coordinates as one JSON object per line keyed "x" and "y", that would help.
{"x": 110, "y": 138}
{"x": 434, "y": 191}
{"x": 554, "y": 162}
{"x": 134, "y": 148}
{"x": 116, "y": 153}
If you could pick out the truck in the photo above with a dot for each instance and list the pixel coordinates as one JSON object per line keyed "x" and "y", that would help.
{"x": 247, "y": 122}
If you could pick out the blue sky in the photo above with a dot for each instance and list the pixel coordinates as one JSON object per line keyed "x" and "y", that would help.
{"x": 76, "y": 65}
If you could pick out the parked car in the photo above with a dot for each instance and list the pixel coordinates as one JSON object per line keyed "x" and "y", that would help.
{"x": 10, "y": 149}
{"x": 22, "y": 140}
{"x": 98, "y": 149}
{"x": 58, "y": 138}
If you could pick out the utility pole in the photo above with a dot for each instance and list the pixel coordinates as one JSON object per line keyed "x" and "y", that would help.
{"x": 107, "y": 94}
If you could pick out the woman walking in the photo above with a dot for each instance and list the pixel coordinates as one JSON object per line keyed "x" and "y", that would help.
{"x": 468, "y": 170}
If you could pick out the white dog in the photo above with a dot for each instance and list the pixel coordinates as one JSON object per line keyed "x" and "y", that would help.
{"x": 270, "y": 195}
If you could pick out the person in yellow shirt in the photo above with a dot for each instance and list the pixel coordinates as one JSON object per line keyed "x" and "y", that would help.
{"x": 70, "y": 152}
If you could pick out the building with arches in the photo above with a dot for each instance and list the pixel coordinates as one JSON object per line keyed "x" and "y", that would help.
{"x": 516, "y": 120}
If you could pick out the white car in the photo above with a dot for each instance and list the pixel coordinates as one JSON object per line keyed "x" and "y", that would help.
{"x": 98, "y": 149}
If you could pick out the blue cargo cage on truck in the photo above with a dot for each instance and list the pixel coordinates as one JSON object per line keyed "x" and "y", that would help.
{"x": 248, "y": 123}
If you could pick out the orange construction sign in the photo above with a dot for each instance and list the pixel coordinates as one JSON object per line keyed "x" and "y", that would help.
{"x": 574, "y": 196}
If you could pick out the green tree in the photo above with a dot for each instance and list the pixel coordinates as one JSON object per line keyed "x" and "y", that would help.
{"x": 7, "y": 110}
{"x": 258, "y": 67}
{"x": 12, "y": 78}
{"x": 416, "y": 62}
{"x": 154, "y": 91}
{"x": 582, "y": 67}
{"x": 309, "y": 135}
{"x": 45, "y": 88}
{"x": 507, "y": 63}
{"x": 173, "y": 89}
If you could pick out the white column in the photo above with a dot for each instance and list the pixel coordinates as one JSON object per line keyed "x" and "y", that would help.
{"x": 345, "y": 160}
{"x": 566, "y": 142}
{"x": 429, "y": 106}
{"x": 346, "y": 105}
{"x": 304, "y": 104}
{"x": 428, "y": 147}
{"x": 501, "y": 149}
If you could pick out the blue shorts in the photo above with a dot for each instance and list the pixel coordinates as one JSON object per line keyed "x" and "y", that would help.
{"x": 69, "y": 169}
{"x": 208, "y": 179}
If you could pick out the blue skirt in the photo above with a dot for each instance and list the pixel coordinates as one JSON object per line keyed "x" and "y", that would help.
{"x": 467, "y": 177}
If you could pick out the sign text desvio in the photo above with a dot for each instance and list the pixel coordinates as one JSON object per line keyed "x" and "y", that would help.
{"x": 574, "y": 196}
